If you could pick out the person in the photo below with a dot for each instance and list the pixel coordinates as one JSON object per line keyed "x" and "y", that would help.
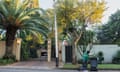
{"x": 85, "y": 58}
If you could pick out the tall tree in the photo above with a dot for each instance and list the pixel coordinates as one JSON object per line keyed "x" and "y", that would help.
{"x": 74, "y": 16}
{"x": 110, "y": 32}
{"x": 18, "y": 17}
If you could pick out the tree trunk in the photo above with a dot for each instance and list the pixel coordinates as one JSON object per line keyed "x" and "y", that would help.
{"x": 75, "y": 48}
{"x": 10, "y": 36}
{"x": 74, "y": 54}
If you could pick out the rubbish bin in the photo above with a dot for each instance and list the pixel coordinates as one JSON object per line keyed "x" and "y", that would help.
{"x": 93, "y": 64}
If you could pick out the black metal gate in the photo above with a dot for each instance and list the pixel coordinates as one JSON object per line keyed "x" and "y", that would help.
{"x": 68, "y": 54}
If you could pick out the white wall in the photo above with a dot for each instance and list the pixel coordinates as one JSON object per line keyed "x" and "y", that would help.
{"x": 108, "y": 50}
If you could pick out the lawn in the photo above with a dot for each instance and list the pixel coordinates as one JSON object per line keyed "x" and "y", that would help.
{"x": 100, "y": 66}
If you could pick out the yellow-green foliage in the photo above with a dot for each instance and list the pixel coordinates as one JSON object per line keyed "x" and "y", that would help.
{"x": 39, "y": 39}
{"x": 91, "y": 10}
{"x": 69, "y": 10}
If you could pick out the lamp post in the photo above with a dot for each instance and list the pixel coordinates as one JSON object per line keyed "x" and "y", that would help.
{"x": 56, "y": 35}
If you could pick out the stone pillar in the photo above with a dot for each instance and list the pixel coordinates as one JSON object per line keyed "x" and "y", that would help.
{"x": 17, "y": 48}
{"x": 49, "y": 50}
{"x": 39, "y": 53}
{"x": 60, "y": 51}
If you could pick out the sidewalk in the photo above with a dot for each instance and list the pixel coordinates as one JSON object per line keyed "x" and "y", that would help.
{"x": 33, "y": 64}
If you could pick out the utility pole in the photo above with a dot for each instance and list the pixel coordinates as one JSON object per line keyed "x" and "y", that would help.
{"x": 56, "y": 35}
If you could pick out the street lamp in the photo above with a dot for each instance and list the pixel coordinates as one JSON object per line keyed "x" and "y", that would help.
{"x": 56, "y": 35}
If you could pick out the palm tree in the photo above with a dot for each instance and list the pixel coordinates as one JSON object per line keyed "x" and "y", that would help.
{"x": 19, "y": 18}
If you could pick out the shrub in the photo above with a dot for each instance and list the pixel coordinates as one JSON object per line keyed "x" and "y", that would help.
{"x": 24, "y": 51}
{"x": 6, "y": 61}
{"x": 100, "y": 57}
{"x": 118, "y": 54}
{"x": 79, "y": 61}
{"x": 11, "y": 56}
{"x": 116, "y": 58}
{"x": 10, "y": 61}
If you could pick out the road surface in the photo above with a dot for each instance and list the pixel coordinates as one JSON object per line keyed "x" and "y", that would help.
{"x": 45, "y": 70}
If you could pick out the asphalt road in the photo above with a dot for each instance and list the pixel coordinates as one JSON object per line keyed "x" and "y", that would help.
{"x": 35, "y": 70}
{"x": 45, "y": 70}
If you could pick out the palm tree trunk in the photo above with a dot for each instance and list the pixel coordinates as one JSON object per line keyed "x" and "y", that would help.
{"x": 10, "y": 36}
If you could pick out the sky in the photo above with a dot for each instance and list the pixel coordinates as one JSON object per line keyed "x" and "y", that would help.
{"x": 113, "y": 6}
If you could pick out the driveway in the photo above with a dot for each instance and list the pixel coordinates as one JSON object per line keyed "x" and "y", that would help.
{"x": 34, "y": 63}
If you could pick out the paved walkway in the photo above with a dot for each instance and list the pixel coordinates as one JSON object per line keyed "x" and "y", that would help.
{"x": 34, "y": 64}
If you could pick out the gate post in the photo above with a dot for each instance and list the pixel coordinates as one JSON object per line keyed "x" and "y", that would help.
{"x": 49, "y": 50}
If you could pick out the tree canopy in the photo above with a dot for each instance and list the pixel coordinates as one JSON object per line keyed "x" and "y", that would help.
{"x": 110, "y": 32}
{"x": 73, "y": 16}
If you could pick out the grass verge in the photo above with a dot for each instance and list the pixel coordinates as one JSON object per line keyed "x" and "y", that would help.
{"x": 100, "y": 66}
